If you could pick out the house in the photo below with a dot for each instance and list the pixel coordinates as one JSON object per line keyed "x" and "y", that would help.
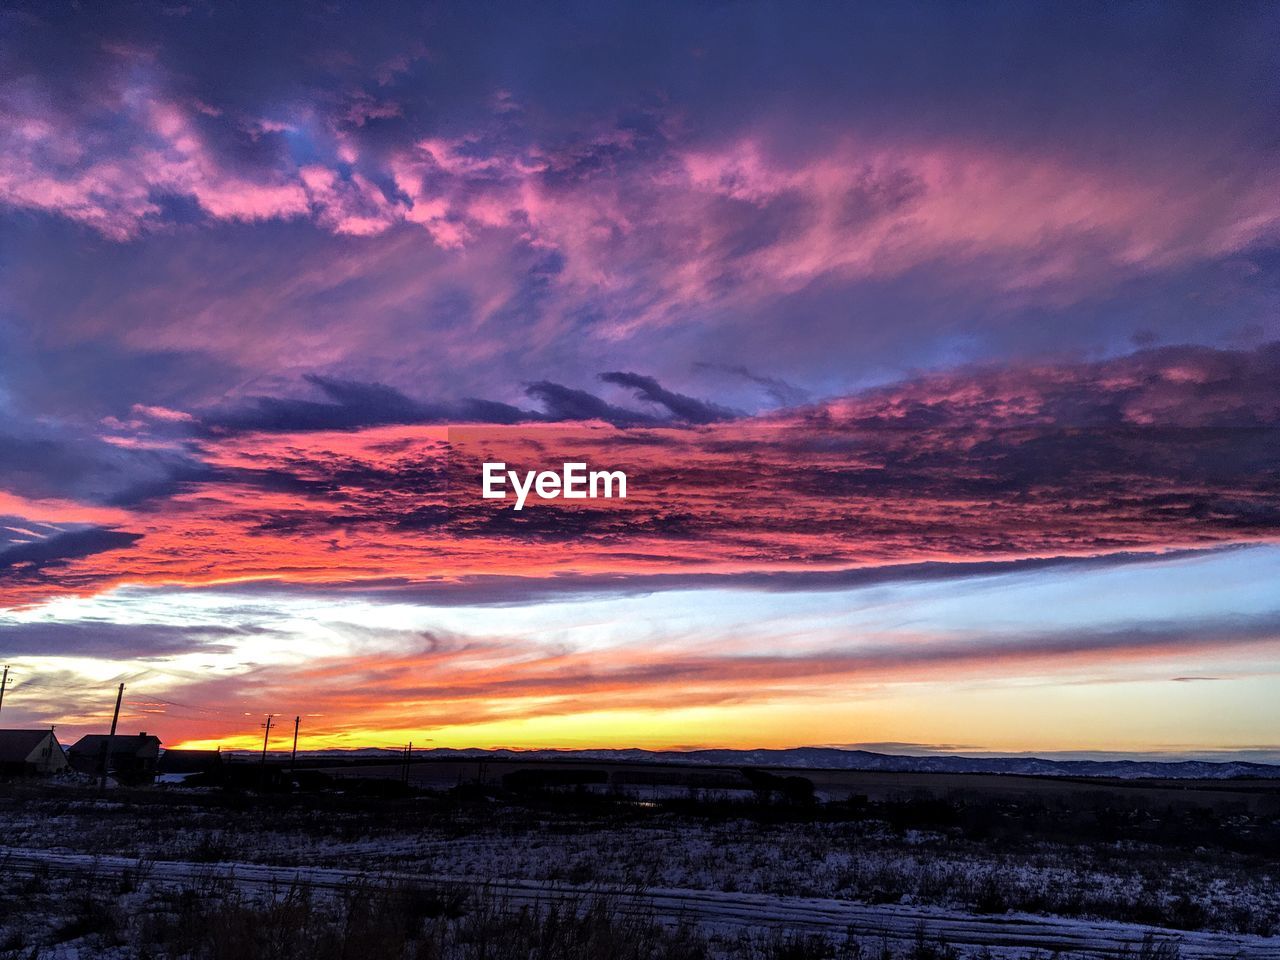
{"x": 30, "y": 752}
{"x": 182, "y": 762}
{"x": 134, "y": 757}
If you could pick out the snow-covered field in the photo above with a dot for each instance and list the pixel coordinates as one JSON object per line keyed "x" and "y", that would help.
{"x": 722, "y": 914}
{"x": 908, "y": 879}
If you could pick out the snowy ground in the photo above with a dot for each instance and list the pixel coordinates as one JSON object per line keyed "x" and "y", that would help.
{"x": 1007, "y": 881}
{"x": 721, "y": 913}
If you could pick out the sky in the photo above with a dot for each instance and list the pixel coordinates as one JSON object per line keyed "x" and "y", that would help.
{"x": 940, "y": 345}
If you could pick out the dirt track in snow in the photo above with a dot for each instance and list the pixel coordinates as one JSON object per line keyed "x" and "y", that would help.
{"x": 1004, "y": 935}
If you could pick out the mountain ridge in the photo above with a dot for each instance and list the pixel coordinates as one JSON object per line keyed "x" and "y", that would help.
{"x": 836, "y": 758}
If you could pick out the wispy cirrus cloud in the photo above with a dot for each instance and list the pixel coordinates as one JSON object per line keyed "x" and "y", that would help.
{"x": 438, "y": 679}
{"x": 651, "y": 210}
{"x": 356, "y": 207}
{"x": 740, "y": 221}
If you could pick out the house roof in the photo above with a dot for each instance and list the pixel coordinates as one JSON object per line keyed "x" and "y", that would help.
{"x": 17, "y": 745}
{"x": 134, "y": 745}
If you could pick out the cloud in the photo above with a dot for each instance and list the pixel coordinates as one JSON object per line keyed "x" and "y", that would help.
{"x": 355, "y": 207}
{"x": 1163, "y": 450}
{"x": 240, "y": 315}
{"x": 23, "y": 559}
{"x": 116, "y": 641}
{"x": 657, "y": 206}
{"x": 45, "y": 459}
{"x": 461, "y": 681}
{"x": 514, "y": 590}
{"x": 682, "y": 407}
{"x": 351, "y": 405}
{"x": 568, "y": 403}
{"x": 781, "y": 392}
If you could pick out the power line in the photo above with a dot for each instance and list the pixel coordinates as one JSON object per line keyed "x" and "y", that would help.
{"x": 195, "y": 707}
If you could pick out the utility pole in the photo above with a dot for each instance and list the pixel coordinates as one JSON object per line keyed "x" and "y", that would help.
{"x": 4, "y": 682}
{"x": 265, "y": 737}
{"x": 262, "y": 763}
{"x": 408, "y": 754}
{"x": 293, "y": 757}
{"x": 106, "y": 751}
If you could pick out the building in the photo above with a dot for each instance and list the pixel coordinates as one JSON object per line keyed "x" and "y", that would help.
{"x": 134, "y": 757}
{"x": 25, "y": 753}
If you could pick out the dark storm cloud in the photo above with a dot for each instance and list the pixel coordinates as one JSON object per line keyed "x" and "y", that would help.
{"x": 21, "y": 559}
{"x": 39, "y": 460}
{"x": 352, "y": 405}
{"x": 569, "y": 403}
{"x": 682, "y": 407}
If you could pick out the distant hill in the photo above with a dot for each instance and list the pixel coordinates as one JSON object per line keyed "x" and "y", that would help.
{"x": 832, "y": 758}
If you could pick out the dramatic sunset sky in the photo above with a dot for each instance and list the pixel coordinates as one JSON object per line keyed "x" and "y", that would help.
{"x": 940, "y": 344}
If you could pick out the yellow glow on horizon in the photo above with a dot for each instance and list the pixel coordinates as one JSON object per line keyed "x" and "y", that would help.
{"x": 1115, "y": 716}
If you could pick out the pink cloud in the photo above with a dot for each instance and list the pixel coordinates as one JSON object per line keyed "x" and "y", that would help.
{"x": 661, "y": 233}
{"x": 980, "y": 464}
{"x": 654, "y": 226}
